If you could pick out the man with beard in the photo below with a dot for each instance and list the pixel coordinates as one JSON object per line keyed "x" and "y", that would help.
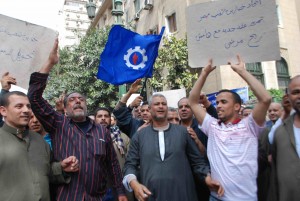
{"x": 232, "y": 142}
{"x": 286, "y": 151}
{"x": 75, "y": 133}
{"x": 166, "y": 157}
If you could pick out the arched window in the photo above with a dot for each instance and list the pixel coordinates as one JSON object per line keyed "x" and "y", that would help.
{"x": 283, "y": 76}
{"x": 256, "y": 70}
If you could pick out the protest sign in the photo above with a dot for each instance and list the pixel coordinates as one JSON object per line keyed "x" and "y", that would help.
{"x": 173, "y": 96}
{"x": 222, "y": 29}
{"x": 24, "y": 48}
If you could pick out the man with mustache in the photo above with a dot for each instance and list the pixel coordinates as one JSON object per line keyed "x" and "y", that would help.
{"x": 75, "y": 133}
{"x": 165, "y": 157}
{"x": 232, "y": 147}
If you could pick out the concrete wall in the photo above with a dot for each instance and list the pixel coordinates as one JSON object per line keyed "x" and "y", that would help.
{"x": 291, "y": 34}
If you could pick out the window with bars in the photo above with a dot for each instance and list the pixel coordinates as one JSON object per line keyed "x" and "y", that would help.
{"x": 283, "y": 76}
{"x": 256, "y": 70}
{"x": 172, "y": 23}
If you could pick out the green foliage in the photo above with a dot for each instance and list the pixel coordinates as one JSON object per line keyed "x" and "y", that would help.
{"x": 77, "y": 72}
{"x": 251, "y": 94}
{"x": 276, "y": 94}
{"x": 171, "y": 68}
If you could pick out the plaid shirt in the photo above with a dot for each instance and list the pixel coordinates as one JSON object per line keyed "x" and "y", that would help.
{"x": 93, "y": 149}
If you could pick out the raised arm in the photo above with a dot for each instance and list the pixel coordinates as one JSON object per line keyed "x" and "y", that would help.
{"x": 198, "y": 111}
{"x": 125, "y": 121}
{"x": 133, "y": 89}
{"x": 264, "y": 99}
{"x": 52, "y": 59}
{"x": 210, "y": 109}
{"x": 41, "y": 108}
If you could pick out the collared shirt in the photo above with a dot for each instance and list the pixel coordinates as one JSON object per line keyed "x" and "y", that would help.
{"x": 232, "y": 152}
{"x": 25, "y": 166}
{"x": 93, "y": 149}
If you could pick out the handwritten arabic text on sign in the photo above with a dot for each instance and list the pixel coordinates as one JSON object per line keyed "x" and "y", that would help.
{"x": 24, "y": 48}
{"x": 224, "y": 28}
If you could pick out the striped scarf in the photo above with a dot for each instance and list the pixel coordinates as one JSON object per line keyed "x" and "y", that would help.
{"x": 116, "y": 138}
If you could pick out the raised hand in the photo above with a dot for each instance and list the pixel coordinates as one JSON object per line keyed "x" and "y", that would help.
{"x": 239, "y": 66}
{"x": 204, "y": 100}
{"x": 54, "y": 54}
{"x": 7, "y": 81}
{"x": 59, "y": 103}
{"x": 209, "y": 67}
{"x": 135, "y": 86}
{"x": 136, "y": 102}
{"x": 52, "y": 59}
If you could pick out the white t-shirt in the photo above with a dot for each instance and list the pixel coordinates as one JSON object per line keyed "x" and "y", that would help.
{"x": 232, "y": 150}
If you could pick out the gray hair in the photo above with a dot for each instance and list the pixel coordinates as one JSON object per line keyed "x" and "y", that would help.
{"x": 155, "y": 95}
{"x": 172, "y": 109}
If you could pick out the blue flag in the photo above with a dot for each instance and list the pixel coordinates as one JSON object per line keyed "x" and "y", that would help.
{"x": 128, "y": 56}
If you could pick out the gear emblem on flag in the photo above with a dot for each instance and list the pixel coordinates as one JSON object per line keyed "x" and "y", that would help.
{"x": 137, "y": 53}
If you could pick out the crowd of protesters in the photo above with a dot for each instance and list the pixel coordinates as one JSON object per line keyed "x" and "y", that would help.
{"x": 145, "y": 150}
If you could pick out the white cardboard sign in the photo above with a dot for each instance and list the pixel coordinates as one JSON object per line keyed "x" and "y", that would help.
{"x": 24, "y": 48}
{"x": 173, "y": 96}
{"x": 222, "y": 29}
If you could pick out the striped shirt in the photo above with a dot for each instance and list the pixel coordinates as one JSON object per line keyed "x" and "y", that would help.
{"x": 232, "y": 151}
{"x": 93, "y": 149}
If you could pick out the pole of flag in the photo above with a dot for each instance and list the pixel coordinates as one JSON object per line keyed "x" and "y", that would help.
{"x": 144, "y": 90}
